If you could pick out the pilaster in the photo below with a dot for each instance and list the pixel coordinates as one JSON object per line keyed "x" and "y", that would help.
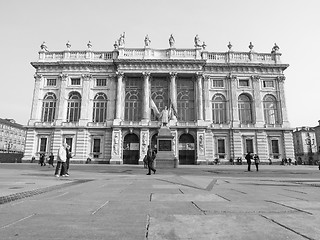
{"x": 233, "y": 103}
{"x": 199, "y": 97}
{"x": 259, "y": 119}
{"x": 36, "y": 101}
{"x": 84, "y": 118}
{"x": 282, "y": 104}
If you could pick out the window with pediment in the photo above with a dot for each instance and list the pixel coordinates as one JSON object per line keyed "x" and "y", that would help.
{"x": 159, "y": 94}
{"x": 245, "y": 109}
{"x": 100, "y": 107}
{"x": 74, "y": 107}
{"x": 49, "y": 107}
{"x": 219, "y": 112}
{"x": 271, "y": 115}
{"x": 133, "y": 99}
{"x": 185, "y": 100}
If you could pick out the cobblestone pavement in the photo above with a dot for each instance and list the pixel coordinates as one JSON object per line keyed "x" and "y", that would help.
{"x": 190, "y": 202}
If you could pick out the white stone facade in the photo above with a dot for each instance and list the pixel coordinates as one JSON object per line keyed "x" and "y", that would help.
{"x": 226, "y": 103}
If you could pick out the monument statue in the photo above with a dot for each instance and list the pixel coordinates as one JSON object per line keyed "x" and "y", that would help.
{"x": 44, "y": 47}
{"x": 197, "y": 41}
{"x": 164, "y": 116}
{"x": 147, "y": 41}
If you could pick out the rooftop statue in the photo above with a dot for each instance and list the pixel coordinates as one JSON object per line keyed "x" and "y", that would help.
{"x": 197, "y": 41}
{"x": 275, "y": 48}
{"x": 68, "y": 45}
{"x": 89, "y": 45}
{"x": 147, "y": 41}
{"x": 171, "y": 41}
{"x": 44, "y": 47}
{"x": 121, "y": 41}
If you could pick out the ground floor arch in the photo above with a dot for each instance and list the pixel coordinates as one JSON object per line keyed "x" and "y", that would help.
{"x": 131, "y": 149}
{"x": 186, "y": 149}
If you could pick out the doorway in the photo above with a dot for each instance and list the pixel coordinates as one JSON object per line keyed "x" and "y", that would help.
{"x": 186, "y": 150}
{"x": 131, "y": 148}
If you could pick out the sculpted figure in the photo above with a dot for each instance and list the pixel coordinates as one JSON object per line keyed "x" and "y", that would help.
{"x": 164, "y": 116}
{"x": 197, "y": 41}
{"x": 44, "y": 47}
{"x": 171, "y": 41}
{"x": 121, "y": 41}
{"x": 147, "y": 41}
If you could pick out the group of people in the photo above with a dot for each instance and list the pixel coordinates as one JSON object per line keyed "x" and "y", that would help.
{"x": 255, "y": 158}
{"x": 42, "y": 159}
{"x": 63, "y": 161}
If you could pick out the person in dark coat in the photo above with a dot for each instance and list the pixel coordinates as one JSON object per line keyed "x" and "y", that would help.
{"x": 150, "y": 157}
{"x": 256, "y": 161}
{"x": 51, "y": 159}
{"x": 248, "y": 157}
{"x": 68, "y": 150}
{"x": 41, "y": 159}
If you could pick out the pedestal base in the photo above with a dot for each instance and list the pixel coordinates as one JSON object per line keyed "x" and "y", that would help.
{"x": 116, "y": 161}
{"x": 165, "y": 159}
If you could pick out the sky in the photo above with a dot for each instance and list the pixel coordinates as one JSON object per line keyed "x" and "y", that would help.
{"x": 292, "y": 24}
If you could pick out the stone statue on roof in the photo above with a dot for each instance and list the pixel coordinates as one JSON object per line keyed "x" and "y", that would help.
{"x": 171, "y": 41}
{"x": 121, "y": 41}
{"x": 44, "y": 47}
{"x": 197, "y": 42}
{"x": 147, "y": 41}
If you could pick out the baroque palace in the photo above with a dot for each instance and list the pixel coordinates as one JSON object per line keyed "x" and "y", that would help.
{"x": 106, "y": 104}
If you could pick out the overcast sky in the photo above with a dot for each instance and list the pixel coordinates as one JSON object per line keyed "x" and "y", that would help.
{"x": 292, "y": 24}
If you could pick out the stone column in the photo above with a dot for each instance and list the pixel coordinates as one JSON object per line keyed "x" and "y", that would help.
{"x": 85, "y": 116}
{"x": 119, "y": 98}
{"x": 62, "y": 100}
{"x": 146, "y": 98}
{"x": 207, "y": 101}
{"x": 199, "y": 96}
{"x": 282, "y": 108}
{"x": 257, "y": 108}
{"x": 233, "y": 106}
{"x": 173, "y": 92}
{"x": 36, "y": 101}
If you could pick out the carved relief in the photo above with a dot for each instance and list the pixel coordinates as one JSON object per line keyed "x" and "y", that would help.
{"x": 116, "y": 143}
{"x": 255, "y": 77}
{"x": 144, "y": 143}
{"x": 281, "y": 78}
{"x": 201, "y": 144}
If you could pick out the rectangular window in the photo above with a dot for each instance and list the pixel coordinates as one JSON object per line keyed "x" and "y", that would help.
{"x": 249, "y": 145}
{"x": 75, "y": 81}
{"x": 43, "y": 145}
{"x": 51, "y": 82}
{"x": 268, "y": 84}
{"x": 96, "y": 147}
{"x": 221, "y": 148}
{"x": 217, "y": 83}
{"x": 275, "y": 149}
{"x": 101, "y": 82}
{"x": 243, "y": 82}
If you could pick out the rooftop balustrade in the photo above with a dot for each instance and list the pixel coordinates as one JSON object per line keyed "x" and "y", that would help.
{"x": 160, "y": 54}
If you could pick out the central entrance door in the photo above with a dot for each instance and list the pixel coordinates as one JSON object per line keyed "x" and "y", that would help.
{"x": 131, "y": 149}
{"x": 186, "y": 150}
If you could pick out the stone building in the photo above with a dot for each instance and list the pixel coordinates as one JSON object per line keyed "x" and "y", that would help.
{"x": 12, "y": 136}
{"x": 305, "y": 145}
{"x": 107, "y": 104}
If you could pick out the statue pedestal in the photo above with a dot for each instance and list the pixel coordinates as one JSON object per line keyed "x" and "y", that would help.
{"x": 165, "y": 157}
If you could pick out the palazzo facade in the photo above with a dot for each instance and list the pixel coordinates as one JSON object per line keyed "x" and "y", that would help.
{"x": 106, "y": 104}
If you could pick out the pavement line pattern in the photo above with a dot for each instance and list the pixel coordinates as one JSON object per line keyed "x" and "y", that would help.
{"x": 94, "y": 212}
{"x": 288, "y": 228}
{"x": 297, "y": 209}
{"x": 201, "y": 210}
{"x": 147, "y": 226}
{"x": 290, "y": 190}
{"x": 20, "y": 195}
{"x": 22, "y": 219}
{"x": 211, "y": 184}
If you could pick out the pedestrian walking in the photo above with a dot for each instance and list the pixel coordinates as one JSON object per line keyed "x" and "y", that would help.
{"x": 61, "y": 161}
{"x": 68, "y": 150}
{"x": 256, "y": 161}
{"x": 151, "y": 155}
{"x": 41, "y": 159}
{"x": 51, "y": 159}
{"x": 248, "y": 157}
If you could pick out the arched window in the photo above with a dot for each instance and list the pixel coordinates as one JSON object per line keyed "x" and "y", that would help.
{"x": 74, "y": 107}
{"x": 100, "y": 108}
{"x": 48, "y": 107}
{"x": 185, "y": 100}
{"x": 219, "y": 113}
{"x": 133, "y": 98}
{"x": 270, "y": 110}
{"x": 245, "y": 109}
